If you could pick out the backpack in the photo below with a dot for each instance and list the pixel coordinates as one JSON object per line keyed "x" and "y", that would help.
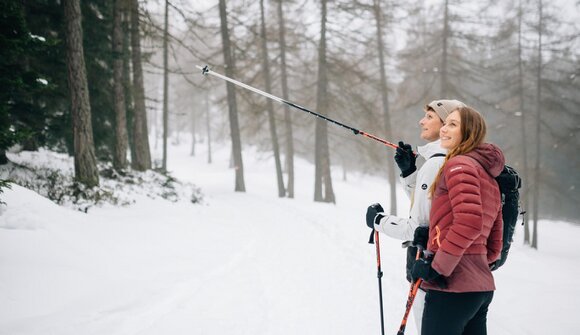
{"x": 509, "y": 183}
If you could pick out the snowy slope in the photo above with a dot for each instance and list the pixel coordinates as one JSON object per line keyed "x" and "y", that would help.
{"x": 243, "y": 263}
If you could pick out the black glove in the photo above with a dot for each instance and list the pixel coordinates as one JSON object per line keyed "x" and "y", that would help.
{"x": 372, "y": 212}
{"x": 405, "y": 159}
{"x": 421, "y": 237}
{"x": 422, "y": 269}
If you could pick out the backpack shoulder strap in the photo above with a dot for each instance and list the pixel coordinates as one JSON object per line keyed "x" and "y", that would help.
{"x": 437, "y": 155}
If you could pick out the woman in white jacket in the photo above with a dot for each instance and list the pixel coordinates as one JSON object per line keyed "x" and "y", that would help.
{"x": 416, "y": 185}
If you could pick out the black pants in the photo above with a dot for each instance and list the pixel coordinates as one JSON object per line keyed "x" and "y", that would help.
{"x": 449, "y": 313}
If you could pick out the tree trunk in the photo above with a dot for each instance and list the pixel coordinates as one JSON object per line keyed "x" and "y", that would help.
{"x": 322, "y": 176}
{"x": 84, "y": 152}
{"x": 232, "y": 106}
{"x": 165, "y": 86}
{"x": 121, "y": 138}
{"x": 192, "y": 153}
{"x": 208, "y": 129}
{"x": 270, "y": 106}
{"x": 538, "y": 135}
{"x": 142, "y": 159}
{"x": 525, "y": 189}
{"x": 127, "y": 74}
{"x": 287, "y": 117}
{"x": 385, "y": 101}
{"x": 444, "y": 83}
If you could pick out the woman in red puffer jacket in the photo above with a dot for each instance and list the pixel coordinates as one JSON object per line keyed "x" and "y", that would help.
{"x": 465, "y": 230}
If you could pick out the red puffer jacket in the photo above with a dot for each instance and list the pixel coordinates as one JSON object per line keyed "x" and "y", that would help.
{"x": 465, "y": 228}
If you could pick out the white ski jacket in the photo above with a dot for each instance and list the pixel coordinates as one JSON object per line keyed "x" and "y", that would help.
{"x": 417, "y": 187}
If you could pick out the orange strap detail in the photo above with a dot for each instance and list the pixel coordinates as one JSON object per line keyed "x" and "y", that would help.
{"x": 437, "y": 235}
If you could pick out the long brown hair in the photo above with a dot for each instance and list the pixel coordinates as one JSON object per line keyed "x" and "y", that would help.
{"x": 473, "y": 130}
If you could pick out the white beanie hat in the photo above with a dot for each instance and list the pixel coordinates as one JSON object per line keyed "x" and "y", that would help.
{"x": 444, "y": 107}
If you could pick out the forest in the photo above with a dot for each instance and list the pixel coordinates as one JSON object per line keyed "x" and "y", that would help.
{"x": 115, "y": 81}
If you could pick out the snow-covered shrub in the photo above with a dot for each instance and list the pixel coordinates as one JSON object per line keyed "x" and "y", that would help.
{"x": 3, "y": 184}
{"x": 51, "y": 175}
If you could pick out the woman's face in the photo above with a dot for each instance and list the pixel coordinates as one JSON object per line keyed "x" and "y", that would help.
{"x": 450, "y": 133}
{"x": 430, "y": 126}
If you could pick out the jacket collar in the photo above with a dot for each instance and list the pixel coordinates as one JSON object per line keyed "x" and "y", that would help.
{"x": 431, "y": 149}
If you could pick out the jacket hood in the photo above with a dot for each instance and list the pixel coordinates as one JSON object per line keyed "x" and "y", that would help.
{"x": 490, "y": 157}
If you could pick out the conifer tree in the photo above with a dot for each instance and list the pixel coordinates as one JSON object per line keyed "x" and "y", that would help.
{"x": 84, "y": 154}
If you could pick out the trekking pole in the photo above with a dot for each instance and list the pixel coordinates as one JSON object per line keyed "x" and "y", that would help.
{"x": 375, "y": 234}
{"x": 205, "y": 71}
{"x": 410, "y": 299}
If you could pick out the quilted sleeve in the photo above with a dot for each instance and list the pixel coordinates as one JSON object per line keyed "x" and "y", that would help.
{"x": 463, "y": 185}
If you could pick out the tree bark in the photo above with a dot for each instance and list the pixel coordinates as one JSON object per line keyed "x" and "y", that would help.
{"x": 165, "y": 86}
{"x": 287, "y": 117}
{"x": 121, "y": 138}
{"x": 193, "y": 141}
{"x": 142, "y": 159}
{"x": 525, "y": 189}
{"x": 127, "y": 74}
{"x": 232, "y": 105}
{"x": 385, "y": 102}
{"x": 270, "y": 105}
{"x": 444, "y": 79}
{"x": 322, "y": 175}
{"x": 84, "y": 152}
{"x": 208, "y": 129}
{"x": 538, "y": 129}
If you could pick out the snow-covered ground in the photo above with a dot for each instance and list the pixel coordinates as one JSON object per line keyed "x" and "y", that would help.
{"x": 244, "y": 263}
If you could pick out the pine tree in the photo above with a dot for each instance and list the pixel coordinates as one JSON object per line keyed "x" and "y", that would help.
{"x": 289, "y": 149}
{"x": 121, "y": 137}
{"x": 27, "y": 87}
{"x": 15, "y": 79}
{"x": 142, "y": 159}
{"x": 378, "y": 14}
{"x": 232, "y": 105}
{"x": 85, "y": 160}
{"x": 322, "y": 176}
{"x": 165, "y": 85}
{"x": 270, "y": 105}
{"x": 97, "y": 25}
